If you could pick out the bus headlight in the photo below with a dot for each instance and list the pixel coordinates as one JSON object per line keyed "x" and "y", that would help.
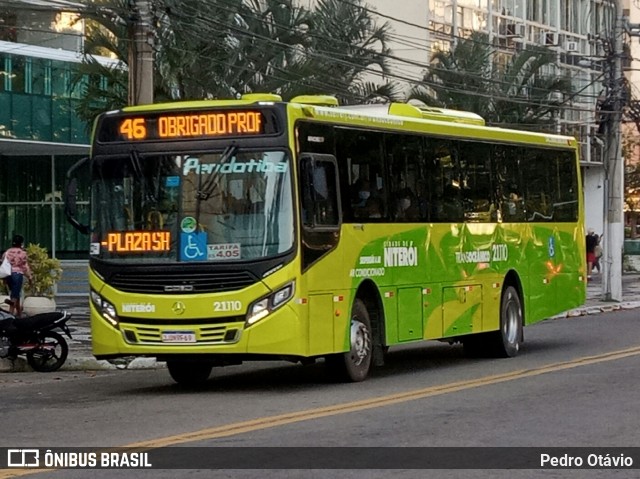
{"x": 263, "y": 307}
{"x": 105, "y": 308}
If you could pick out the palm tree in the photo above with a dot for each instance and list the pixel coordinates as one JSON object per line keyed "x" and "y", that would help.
{"x": 223, "y": 48}
{"x": 269, "y": 51}
{"x": 521, "y": 91}
{"x": 524, "y": 94}
{"x": 347, "y": 48}
{"x": 106, "y": 35}
{"x": 461, "y": 78}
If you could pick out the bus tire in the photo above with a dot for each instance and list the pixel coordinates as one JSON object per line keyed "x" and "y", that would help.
{"x": 189, "y": 373}
{"x": 506, "y": 341}
{"x": 355, "y": 364}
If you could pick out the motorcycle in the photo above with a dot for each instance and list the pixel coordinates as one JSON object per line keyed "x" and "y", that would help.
{"x": 34, "y": 336}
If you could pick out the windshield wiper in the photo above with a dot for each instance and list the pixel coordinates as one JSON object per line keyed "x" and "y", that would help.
{"x": 206, "y": 188}
{"x": 136, "y": 164}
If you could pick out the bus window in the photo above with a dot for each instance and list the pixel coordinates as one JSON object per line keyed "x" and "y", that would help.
{"x": 360, "y": 156}
{"x": 509, "y": 184}
{"x": 477, "y": 185}
{"x": 404, "y": 154}
{"x": 565, "y": 187}
{"x": 320, "y": 206}
{"x": 319, "y": 192}
{"x": 445, "y": 182}
{"x": 549, "y": 195}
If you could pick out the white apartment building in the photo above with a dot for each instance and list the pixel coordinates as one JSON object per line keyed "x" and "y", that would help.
{"x": 580, "y": 32}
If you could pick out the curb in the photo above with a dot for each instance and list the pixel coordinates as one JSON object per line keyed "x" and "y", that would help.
{"x": 90, "y": 363}
{"x": 605, "y": 308}
{"x": 86, "y": 363}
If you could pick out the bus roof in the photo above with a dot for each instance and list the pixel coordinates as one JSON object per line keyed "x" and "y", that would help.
{"x": 400, "y": 113}
{"x": 424, "y": 112}
{"x": 327, "y": 107}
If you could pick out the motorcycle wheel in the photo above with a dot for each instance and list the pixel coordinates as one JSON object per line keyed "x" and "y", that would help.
{"x": 50, "y": 354}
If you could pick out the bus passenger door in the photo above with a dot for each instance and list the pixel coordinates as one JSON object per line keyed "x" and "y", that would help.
{"x": 409, "y": 314}
{"x": 462, "y": 309}
{"x": 321, "y": 218}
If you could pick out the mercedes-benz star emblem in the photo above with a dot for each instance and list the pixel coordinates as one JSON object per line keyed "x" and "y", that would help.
{"x": 178, "y": 307}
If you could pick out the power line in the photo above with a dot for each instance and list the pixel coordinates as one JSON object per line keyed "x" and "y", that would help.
{"x": 323, "y": 54}
{"x": 344, "y": 60}
{"x": 405, "y": 78}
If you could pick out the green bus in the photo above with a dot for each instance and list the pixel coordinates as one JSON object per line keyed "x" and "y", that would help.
{"x": 256, "y": 229}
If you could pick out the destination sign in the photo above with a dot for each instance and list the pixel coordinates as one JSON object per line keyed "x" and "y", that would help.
{"x": 186, "y": 125}
{"x": 137, "y": 242}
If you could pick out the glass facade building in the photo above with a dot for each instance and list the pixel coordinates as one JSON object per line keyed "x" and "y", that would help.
{"x": 41, "y": 136}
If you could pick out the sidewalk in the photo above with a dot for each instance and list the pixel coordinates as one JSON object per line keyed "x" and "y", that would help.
{"x": 80, "y": 357}
{"x": 595, "y": 304}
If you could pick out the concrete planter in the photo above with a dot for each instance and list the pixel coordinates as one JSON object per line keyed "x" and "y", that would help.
{"x": 38, "y": 304}
{"x": 4, "y": 306}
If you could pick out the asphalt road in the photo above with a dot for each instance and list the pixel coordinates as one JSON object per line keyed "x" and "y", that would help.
{"x": 573, "y": 385}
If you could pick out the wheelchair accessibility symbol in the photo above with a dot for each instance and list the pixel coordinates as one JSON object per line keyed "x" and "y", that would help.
{"x": 193, "y": 246}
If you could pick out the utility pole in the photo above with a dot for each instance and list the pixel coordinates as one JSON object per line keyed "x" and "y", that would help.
{"x": 140, "y": 54}
{"x": 613, "y": 242}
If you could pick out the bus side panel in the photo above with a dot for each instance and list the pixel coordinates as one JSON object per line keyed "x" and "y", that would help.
{"x": 555, "y": 272}
{"x": 462, "y": 309}
{"x": 410, "y": 312}
{"x": 327, "y": 282}
{"x": 432, "y": 311}
{"x": 321, "y": 324}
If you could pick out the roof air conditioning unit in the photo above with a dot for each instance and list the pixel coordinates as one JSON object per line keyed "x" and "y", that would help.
{"x": 520, "y": 30}
{"x": 572, "y": 46}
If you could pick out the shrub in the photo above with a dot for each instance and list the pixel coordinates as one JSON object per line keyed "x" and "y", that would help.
{"x": 46, "y": 272}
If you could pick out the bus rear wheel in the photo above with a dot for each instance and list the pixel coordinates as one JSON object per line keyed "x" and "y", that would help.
{"x": 506, "y": 342}
{"x": 189, "y": 373}
{"x": 354, "y": 365}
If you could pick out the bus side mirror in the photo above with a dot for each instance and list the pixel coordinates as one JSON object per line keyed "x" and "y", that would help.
{"x": 70, "y": 198}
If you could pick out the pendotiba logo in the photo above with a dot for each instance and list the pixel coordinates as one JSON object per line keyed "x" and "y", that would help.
{"x": 252, "y": 166}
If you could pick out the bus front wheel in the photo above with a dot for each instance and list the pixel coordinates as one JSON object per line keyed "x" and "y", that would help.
{"x": 506, "y": 341}
{"x": 354, "y": 365}
{"x": 189, "y": 373}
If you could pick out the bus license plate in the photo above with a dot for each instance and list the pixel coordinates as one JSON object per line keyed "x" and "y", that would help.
{"x": 178, "y": 337}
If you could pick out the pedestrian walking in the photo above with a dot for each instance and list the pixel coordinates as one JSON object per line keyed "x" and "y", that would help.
{"x": 17, "y": 256}
{"x": 598, "y": 254}
{"x": 591, "y": 242}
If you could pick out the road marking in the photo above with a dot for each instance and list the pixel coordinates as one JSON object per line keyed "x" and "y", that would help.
{"x": 344, "y": 408}
{"x": 381, "y": 401}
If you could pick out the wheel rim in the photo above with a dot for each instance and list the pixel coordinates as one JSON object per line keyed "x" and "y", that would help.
{"x": 49, "y": 353}
{"x": 49, "y": 356}
{"x": 360, "y": 342}
{"x": 512, "y": 320}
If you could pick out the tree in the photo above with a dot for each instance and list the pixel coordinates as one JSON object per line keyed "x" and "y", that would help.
{"x": 224, "y": 48}
{"x": 505, "y": 91}
{"x": 346, "y": 48}
{"x": 460, "y": 79}
{"x": 105, "y": 35}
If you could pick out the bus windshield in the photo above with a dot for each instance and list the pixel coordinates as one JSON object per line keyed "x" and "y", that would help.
{"x": 230, "y": 205}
